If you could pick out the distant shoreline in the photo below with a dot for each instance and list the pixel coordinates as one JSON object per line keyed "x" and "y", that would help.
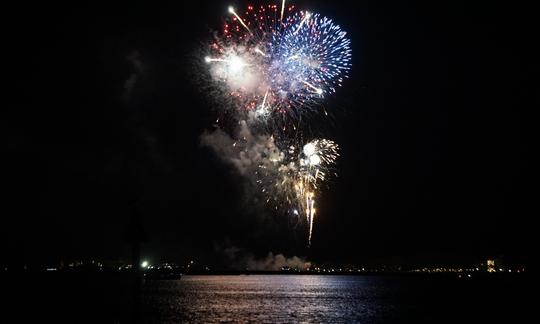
{"x": 107, "y": 273}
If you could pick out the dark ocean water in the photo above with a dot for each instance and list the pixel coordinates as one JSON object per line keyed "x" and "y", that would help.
{"x": 268, "y": 299}
{"x": 272, "y": 298}
{"x": 325, "y": 299}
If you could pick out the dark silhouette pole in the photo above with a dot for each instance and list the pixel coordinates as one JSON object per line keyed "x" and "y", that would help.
{"x": 135, "y": 236}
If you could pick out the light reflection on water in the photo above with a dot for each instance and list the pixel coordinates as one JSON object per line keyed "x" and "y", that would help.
{"x": 274, "y": 298}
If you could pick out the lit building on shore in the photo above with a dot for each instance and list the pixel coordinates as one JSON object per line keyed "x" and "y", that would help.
{"x": 490, "y": 265}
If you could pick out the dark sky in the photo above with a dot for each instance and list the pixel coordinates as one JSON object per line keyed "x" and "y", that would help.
{"x": 435, "y": 127}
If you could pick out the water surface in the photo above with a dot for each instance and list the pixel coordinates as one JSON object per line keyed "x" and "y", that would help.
{"x": 316, "y": 299}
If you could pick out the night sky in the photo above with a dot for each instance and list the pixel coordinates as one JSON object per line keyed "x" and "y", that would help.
{"x": 103, "y": 114}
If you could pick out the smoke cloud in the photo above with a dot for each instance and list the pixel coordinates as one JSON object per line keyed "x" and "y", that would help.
{"x": 239, "y": 259}
{"x": 249, "y": 153}
{"x": 137, "y": 69}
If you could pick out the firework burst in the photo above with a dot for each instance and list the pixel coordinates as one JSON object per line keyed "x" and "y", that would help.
{"x": 277, "y": 67}
{"x": 291, "y": 178}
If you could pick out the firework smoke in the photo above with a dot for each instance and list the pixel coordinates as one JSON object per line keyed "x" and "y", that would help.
{"x": 241, "y": 259}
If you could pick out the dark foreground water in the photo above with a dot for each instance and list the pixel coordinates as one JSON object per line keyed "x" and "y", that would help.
{"x": 271, "y": 299}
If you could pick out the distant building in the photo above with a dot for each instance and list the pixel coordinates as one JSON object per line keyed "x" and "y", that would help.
{"x": 490, "y": 266}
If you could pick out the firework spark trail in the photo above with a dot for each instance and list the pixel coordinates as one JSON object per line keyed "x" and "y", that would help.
{"x": 209, "y": 59}
{"x": 311, "y": 211}
{"x": 231, "y": 10}
{"x": 264, "y": 100}
{"x": 306, "y": 17}
{"x": 259, "y": 51}
{"x": 282, "y": 9}
{"x": 274, "y": 64}
{"x": 317, "y": 90}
